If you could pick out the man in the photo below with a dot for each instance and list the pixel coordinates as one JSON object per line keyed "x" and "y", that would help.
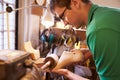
{"x": 103, "y": 34}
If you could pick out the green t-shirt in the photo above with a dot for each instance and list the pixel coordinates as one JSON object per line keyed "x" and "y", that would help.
{"x": 103, "y": 39}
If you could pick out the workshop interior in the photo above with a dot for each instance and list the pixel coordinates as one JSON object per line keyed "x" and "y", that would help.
{"x": 33, "y": 41}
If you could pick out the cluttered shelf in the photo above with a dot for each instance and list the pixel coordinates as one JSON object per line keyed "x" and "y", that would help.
{"x": 79, "y": 32}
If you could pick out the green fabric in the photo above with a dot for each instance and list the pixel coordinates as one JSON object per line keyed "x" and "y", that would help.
{"x": 103, "y": 39}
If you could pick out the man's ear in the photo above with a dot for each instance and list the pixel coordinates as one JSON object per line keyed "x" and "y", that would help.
{"x": 75, "y": 3}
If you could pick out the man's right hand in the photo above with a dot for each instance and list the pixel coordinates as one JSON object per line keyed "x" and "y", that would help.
{"x": 69, "y": 74}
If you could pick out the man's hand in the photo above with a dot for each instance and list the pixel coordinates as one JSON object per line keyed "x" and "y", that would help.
{"x": 69, "y": 74}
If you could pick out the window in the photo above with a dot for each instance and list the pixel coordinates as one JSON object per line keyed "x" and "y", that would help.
{"x": 7, "y": 25}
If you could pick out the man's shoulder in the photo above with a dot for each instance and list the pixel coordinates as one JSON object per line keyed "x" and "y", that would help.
{"x": 106, "y": 16}
{"x": 107, "y": 12}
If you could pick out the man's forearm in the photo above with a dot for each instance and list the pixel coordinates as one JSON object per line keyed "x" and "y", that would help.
{"x": 73, "y": 76}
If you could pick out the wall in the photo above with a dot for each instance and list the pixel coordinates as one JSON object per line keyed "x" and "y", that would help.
{"x": 28, "y": 25}
{"x": 113, "y": 3}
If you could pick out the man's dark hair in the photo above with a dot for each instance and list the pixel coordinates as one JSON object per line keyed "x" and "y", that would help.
{"x": 85, "y": 1}
{"x": 59, "y": 3}
{"x": 62, "y": 3}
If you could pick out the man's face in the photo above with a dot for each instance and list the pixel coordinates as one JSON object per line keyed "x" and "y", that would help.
{"x": 69, "y": 16}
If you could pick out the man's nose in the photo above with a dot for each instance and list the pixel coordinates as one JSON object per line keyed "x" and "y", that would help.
{"x": 66, "y": 22}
